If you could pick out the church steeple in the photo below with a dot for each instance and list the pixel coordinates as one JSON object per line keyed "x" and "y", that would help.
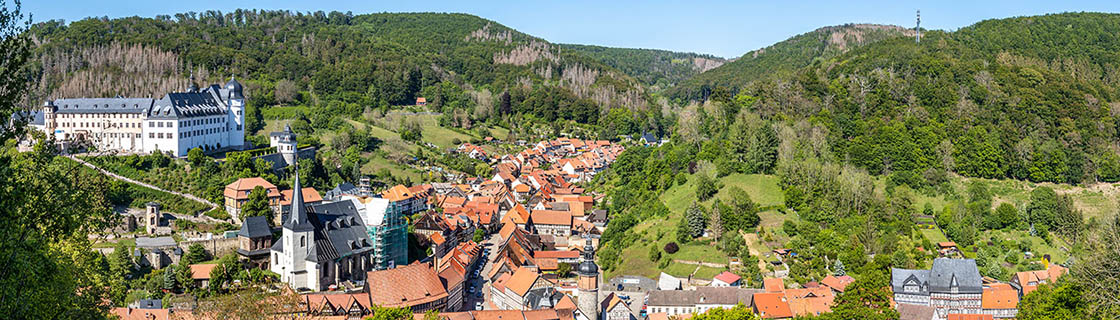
{"x": 297, "y": 218}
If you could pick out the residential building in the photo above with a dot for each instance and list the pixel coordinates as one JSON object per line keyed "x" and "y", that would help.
{"x": 141, "y": 314}
{"x": 556, "y": 223}
{"x": 200, "y": 274}
{"x": 322, "y": 245}
{"x": 681, "y": 302}
{"x": 837, "y": 283}
{"x": 211, "y": 118}
{"x": 1000, "y": 300}
{"x": 727, "y": 279}
{"x": 254, "y": 240}
{"x": 236, "y": 194}
{"x": 1027, "y": 281}
{"x": 951, "y": 286}
{"x": 615, "y": 309}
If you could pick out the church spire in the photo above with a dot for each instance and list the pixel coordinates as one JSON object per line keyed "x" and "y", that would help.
{"x": 297, "y": 218}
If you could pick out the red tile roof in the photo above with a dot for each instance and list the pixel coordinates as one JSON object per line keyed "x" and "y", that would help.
{"x": 240, "y": 189}
{"x": 202, "y": 271}
{"x": 551, "y": 217}
{"x": 310, "y": 195}
{"x": 969, "y": 317}
{"x": 772, "y": 305}
{"x": 837, "y": 283}
{"x": 728, "y": 277}
{"x": 999, "y": 296}
{"x": 410, "y": 285}
{"x": 773, "y": 285}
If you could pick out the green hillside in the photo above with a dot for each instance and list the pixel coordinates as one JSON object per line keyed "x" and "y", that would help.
{"x": 337, "y": 63}
{"x": 785, "y": 57}
{"x": 659, "y": 69}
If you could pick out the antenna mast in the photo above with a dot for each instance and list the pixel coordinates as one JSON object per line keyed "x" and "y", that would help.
{"x": 918, "y": 28}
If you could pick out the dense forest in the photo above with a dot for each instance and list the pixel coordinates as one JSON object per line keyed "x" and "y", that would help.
{"x": 782, "y": 58}
{"x": 982, "y": 102}
{"x": 659, "y": 69}
{"x": 338, "y": 63}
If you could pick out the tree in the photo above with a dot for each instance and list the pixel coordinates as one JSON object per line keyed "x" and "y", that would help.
{"x": 257, "y": 205}
{"x": 869, "y": 298}
{"x": 684, "y": 231}
{"x": 1098, "y": 268}
{"x": 705, "y": 187}
{"x": 739, "y": 312}
{"x": 743, "y": 214}
{"x": 479, "y": 235}
{"x": 838, "y": 268}
{"x": 696, "y": 221}
{"x": 196, "y": 156}
{"x": 1005, "y": 216}
{"x": 170, "y": 282}
{"x": 196, "y": 254}
{"x": 222, "y": 276}
{"x": 564, "y": 270}
{"x": 671, "y": 248}
{"x": 286, "y": 91}
{"x": 382, "y": 313}
{"x": 714, "y": 221}
{"x": 1061, "y": 300}
{"x": 654, "y": 253}
{"x": 733, "y": 244}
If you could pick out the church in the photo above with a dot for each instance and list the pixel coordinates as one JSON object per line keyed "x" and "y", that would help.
{"x": 211, "y": 118}
{"x": 322, "y": 245}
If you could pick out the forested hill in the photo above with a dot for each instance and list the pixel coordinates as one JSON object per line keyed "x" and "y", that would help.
{"x": 659, "y": 69}
{"x": 335, "y": 62}
{"x": 1032, "y": 98}
{"x": 784, "y": 57}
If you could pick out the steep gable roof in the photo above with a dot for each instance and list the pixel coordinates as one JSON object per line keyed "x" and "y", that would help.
{"x": 409, "y": 285}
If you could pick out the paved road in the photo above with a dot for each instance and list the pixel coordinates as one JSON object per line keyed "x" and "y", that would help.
{"x": 126, "y": 179}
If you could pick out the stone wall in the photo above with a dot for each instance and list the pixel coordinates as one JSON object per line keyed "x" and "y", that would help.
{"x": 216, "y": 247}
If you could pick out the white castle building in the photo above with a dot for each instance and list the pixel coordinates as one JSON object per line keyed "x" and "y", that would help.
{"x": 212, "y": 118}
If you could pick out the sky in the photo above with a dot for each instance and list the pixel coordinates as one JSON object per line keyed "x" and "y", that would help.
{"x": 722, "y": 28}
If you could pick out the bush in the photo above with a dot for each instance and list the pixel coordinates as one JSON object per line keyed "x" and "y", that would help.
{"x": 654, "y": 254}
{"x": 456, "y": 141}
{"x": 672, "y": 248}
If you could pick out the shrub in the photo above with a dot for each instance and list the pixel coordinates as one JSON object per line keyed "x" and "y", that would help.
{"x": 672, "y": 248}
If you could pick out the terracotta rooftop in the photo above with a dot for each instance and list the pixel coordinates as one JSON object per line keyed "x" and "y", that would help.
{"x": 410, "y": 285}
{"x": 397, "y": 193}
{"x": 999, "y": 296}
{"x": 310, "y": 195}
{"x": 728, "y": 277}
{"x": 969, "y": 317}
{"x": 551, "y": 217}
{"x": 202, "y": 271}
{"x": 837, "y": 283}
{"x": 522, "y": 280}
{"x": 240, "y": 189}
{"x": 772, "y": 305}
{"x": 773, "y": 285}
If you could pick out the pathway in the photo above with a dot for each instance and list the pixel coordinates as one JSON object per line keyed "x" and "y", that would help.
{"x": 149, "y": 186}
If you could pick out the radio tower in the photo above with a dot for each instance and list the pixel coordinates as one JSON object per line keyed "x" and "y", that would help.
{"x": 918, "y": 28}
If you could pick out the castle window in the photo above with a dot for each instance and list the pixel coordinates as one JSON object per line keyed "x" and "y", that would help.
{"x": 302, "y": 241}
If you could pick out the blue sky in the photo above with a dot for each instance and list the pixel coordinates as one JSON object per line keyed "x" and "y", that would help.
{"x": 722, "y": 28}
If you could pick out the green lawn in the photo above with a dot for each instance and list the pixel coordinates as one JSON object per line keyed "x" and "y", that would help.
{"x": 680, "y": 270}
{"x": 763, "y": 189}
{"x": 376, "y": 163}
{"x": 934, "y": 235}
{"x": 700, "y": 250}
{"x": 707, "y": 272}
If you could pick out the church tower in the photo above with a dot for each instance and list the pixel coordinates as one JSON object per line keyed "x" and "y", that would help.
{"x": 588, "y": 273}
{"x": 297, "y": 240}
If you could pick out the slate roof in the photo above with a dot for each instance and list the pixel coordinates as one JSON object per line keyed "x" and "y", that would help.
{"x": 960, "y": 272}
{"x": 146, "y": 242}
{"x": 255, "y": 227}
{"x": 341, "y": 189}
{"x": 339, "y": 231}
{"x": 899, "y": 278}
{"x": 102, "y": 105}
{"x": 186, "y": 104}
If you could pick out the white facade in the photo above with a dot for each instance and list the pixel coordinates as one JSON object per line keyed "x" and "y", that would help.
{"x": 211, "y": 118}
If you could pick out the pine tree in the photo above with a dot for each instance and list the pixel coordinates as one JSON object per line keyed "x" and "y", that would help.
{"x": 696, "y": 221}
{"x": 169, "y": 279}
{"x": 838, "y": 268}
{"x": 715, "y": 222}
